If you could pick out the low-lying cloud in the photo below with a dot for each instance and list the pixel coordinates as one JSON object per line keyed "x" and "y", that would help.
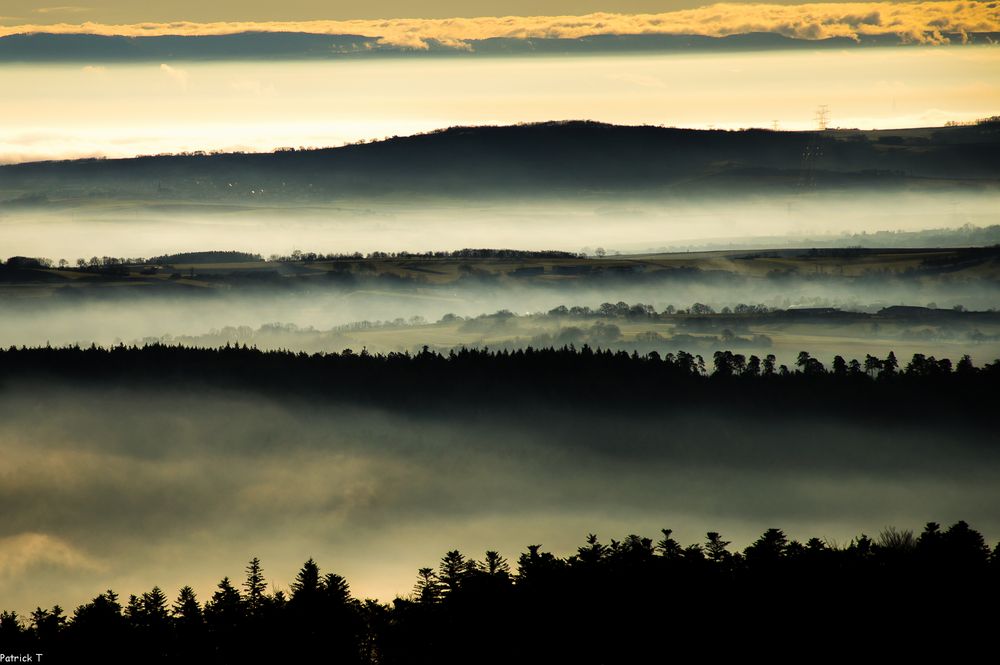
{"x": 921, "y": 22}
{"x": 27, "y": 551}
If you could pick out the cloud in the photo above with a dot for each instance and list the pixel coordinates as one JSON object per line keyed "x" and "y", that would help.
{"x": 63, "y": 9}
{"x": 178, "y": 75}
{"x": 924, "y": 22}
{"x": 95, "y": 69}
{"x": 27, "y": 550}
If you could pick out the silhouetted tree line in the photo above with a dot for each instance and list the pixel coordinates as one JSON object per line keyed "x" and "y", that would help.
{"x": 299, "y": 255}
{"x": 27, "y": 263}
{"x": 551, "y": 375}
{"x": 222, "y": 256}
{"x": 606, "y": 603}
{"x": 744, "y": 313}
{"x": 104, "y": 263}
{"x": 96, "y": 264}
{"x": 642, "y": 311}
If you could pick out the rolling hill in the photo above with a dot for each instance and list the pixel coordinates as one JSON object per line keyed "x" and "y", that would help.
{"x": 546, "y": 159}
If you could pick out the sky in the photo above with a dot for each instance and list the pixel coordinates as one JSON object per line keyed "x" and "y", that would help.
{"x": 83, "y": 107}
{"x": 118, "y": 110}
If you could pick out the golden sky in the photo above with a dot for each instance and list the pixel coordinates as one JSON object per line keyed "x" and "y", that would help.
{"x": 915, "y": 21}
{"x": 91, "y": 108}
{"x": 61, "y": 110}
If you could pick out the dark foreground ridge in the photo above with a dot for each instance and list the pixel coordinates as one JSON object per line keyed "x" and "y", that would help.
{"x": 567, "y": 375}
{"x": 607, "y": 603}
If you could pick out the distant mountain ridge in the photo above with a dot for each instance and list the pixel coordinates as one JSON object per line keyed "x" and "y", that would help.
{"x": 553, "y": 158}
{"x": 51, "y": 47}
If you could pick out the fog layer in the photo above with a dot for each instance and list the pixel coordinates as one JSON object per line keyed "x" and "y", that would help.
{"x": 88, "y": 227}
{"x": 125, "y": 489}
